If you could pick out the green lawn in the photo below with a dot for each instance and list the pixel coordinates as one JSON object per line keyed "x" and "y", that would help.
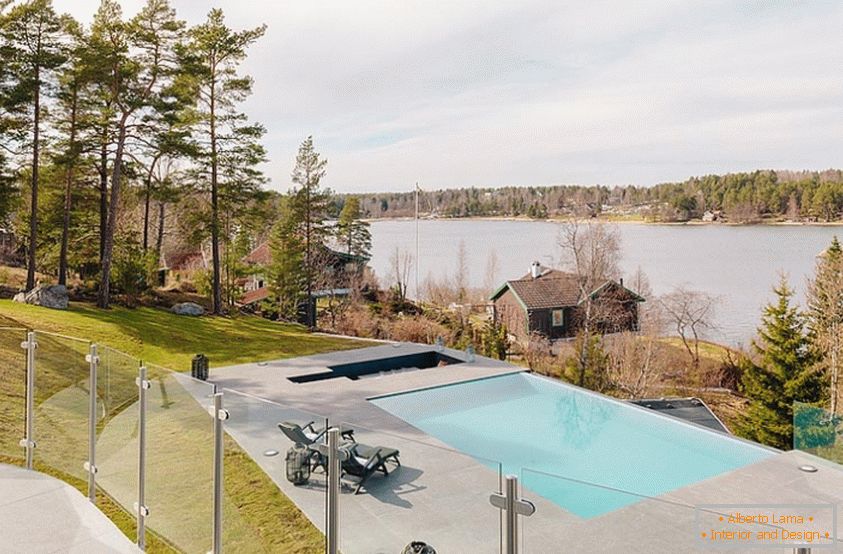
{"x": 258, "y": 517}
{"x": 162, "y": 338}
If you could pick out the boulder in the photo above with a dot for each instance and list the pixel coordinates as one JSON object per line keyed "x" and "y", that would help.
{"x": 188, "y": 308}
{"x": 47, "y": 296}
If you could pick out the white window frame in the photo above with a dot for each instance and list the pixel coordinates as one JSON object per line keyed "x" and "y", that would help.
{"x": 553, "y": 314}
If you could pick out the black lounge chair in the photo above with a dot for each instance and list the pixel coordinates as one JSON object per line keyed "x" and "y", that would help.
{"x": 309, "y": 434}
{"x": 364, "y": 461}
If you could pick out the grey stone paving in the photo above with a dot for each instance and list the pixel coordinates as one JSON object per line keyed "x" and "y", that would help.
{"x": 441, "y": 496}
{"x": 40, "y": 514}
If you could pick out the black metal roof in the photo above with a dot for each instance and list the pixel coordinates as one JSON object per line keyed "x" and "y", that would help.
{"x": 689, "y": 409}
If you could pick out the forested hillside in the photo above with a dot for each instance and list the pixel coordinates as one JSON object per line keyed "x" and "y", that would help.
{"x": 734, "y": 197}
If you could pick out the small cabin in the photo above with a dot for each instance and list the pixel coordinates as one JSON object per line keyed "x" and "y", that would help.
{"x": 552, "y": 303}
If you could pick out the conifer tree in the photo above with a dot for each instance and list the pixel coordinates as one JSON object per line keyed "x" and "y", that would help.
{"x": 784, "y": 373}
{"x": 285, "y": 274}
{"x": 825, "y": 316}
{"x": 352, "y": 232}
{"x": 32, "y": 37}
{"x": 309, "y": 206}
{"x": 229, "y": 148}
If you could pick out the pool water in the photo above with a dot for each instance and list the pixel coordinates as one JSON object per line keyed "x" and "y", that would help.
{"x": 563, "y": 441}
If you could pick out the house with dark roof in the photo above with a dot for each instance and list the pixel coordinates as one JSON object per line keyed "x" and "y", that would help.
{"x": 552, "y": 303}
{"x": 337, "y": 269}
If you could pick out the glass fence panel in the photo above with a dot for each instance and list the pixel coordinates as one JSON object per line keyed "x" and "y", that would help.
{"x": 12, "y": 395}
{"x": 117, "y": 427}
{"x": 707, "y": 516}
{"x": 61, "y": 406}
{"x": 274, "y": 495}
{"x": 817, "y": 431}
{"x": 179, "y": 460}
{"x": 402, "y": 486}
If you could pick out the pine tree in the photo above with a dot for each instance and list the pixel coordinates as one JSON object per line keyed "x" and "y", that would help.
{"x": 230, "y": 148}
{"x": 285, "y": 274}
{"x": 825, "y": 316}
{"x": 352, "y": 232}
{"x": 309, "y": 205}
{"x": 137, "y": 59}
{"x": 784, "y": 373}
{"x": 33, "y": 49}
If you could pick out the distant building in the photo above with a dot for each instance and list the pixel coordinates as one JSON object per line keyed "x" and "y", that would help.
{"x": 551, "y": 303}
{"x": 338, "y": 269}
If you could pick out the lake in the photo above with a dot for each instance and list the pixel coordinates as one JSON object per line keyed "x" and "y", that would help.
{"x": 738, "y": 264}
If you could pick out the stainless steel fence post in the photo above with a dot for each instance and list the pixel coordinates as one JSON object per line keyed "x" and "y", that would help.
{"x": 219, "y": 415}
{"x": 140, "y": 506}
{"x": 333, "y": 521}
{"x": 513, "y": 507}
{"x": 91, "y": 465}
{"x": 28, "y": 441}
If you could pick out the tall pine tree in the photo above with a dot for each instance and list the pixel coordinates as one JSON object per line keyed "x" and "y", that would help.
{"x": 825, "y": 316}
{"x": 33, "y": 49}
{"x": 309, "y": 206}
{"x": 784, "y": 373}
{"x": 229, "y": 148}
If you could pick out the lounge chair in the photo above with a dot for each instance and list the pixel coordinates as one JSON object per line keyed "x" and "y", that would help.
{"x": 309, "y": 434}
{"x": 364, "y": 461}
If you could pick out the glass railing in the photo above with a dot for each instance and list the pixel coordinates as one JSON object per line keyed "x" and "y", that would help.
{"x": 398, "y": 489}
{"x": 818, "y": 432}
{"x": 179, "y": 460}
{"x": 117, "y": 427}
{"x": 12, "y": 395}
{"x": 260, "y": 493}
{"x": 767, "y": 511}
{"x": 61, "y": 404}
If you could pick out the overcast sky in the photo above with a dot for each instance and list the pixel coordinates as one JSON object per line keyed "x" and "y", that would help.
{"x": 539, "y": 92}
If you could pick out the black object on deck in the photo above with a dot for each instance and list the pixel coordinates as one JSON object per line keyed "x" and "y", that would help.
{"x": 199, "y": 367}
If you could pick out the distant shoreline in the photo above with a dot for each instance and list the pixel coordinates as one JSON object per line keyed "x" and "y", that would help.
{"x": 620, "y": 221}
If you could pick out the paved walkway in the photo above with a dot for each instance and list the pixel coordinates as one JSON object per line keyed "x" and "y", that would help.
{"x": 40, "y": 514}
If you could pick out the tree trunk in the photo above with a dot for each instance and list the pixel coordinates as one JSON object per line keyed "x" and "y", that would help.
{"x": 146, "y": 214}
{"x": 68, "y": 193}
{"x": 835, "y": 371}
{"x": 307, "y": 255}
{"x": 159, "y": 241}
{"x": 147, "y": 193}
{"x": 103, "y": 171}
{"x": 33, "y": 217}
{"x": 586, "y": 330}
{"x": 216, "y": 300}
{"x": 108, "y": 250}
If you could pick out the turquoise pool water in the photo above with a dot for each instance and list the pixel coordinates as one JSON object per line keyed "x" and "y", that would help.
{"x": 558, "y": 437}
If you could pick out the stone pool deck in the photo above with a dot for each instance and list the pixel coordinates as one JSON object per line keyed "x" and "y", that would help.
{"x": 441, "y": 496}
{"x": 41, "y": 514}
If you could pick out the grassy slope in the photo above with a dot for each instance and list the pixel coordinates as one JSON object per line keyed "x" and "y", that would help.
{"x": 162, "y": 338}
{"x": 260, "y": 518}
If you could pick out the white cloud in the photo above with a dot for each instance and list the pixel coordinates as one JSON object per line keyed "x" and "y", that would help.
{"x": 492, "y": 93}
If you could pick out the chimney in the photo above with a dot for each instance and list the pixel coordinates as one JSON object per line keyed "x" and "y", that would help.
{"x": 535, "y": 269}
{"x": 621, "y": 281}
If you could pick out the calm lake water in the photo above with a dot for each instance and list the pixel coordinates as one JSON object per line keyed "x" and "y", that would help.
{"x": 737, "y": 264}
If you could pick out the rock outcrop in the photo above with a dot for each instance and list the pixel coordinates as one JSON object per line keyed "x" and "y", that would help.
{"x": 48, "y": 296}
{"x": 188, "y": 308}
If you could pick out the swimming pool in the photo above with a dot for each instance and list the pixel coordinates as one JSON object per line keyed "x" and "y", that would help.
{"x": 547, "y": 427}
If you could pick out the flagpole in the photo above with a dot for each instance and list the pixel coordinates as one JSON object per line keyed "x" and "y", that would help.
{"x": 417, "y": 242}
